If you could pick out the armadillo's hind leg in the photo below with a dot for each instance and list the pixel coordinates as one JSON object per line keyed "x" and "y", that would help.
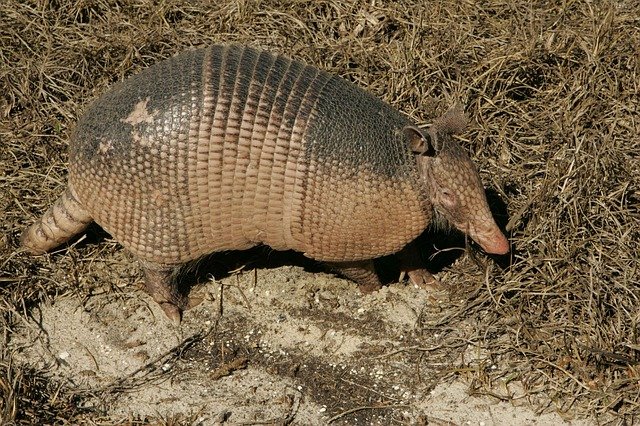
{"x": 362, "y": 272}
{"x": 161, "y": 285}
{"x": 63, "y": 220}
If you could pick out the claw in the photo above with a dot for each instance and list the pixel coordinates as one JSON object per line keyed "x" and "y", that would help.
{"x": 194, "y": 301}
{"x": 172, "y": 312}
{"x": 424, "y": 279}
{"x": 411, "y": 264}
{"x": 159, "y": 285}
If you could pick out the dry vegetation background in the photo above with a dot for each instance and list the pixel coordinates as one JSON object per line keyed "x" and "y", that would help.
{"x": 551, "y": 86}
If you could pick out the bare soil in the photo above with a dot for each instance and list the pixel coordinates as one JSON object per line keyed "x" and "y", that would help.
{"x": 266, "y": 346}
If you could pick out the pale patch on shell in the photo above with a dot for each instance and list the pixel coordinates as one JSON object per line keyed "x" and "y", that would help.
{"x": 140, "y": 139}
{"x": 104, "y": 146}
{"x": 140, "y": 114}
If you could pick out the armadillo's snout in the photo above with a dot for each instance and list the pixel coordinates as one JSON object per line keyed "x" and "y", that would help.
{"x": 492, "y": 241}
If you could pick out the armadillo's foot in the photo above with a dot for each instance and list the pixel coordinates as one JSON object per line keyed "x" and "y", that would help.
{"x": 411, "y": 264}
{"x": 424, "y": 279}
{"x": 362, "y": 272}
{"x": 160, "y": 286}
{"x": 172, "y": 312}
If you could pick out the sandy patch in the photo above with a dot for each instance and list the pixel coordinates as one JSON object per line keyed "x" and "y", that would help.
{"x": 287, "y": 346}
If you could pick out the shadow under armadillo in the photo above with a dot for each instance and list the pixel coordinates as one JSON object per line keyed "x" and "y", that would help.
{"x": 223, "y": 264}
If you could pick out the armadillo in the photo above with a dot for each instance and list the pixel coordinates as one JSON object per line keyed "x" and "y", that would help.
{"x": 227, "y": 147}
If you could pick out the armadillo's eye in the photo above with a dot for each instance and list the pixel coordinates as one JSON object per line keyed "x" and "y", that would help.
{"x": 449, "y": 199}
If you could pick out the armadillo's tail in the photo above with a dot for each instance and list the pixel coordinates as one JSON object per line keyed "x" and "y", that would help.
{"x": 64, "y": 219}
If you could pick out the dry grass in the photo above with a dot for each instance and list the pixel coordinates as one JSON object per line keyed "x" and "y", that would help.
{"x": 553, "y": 91}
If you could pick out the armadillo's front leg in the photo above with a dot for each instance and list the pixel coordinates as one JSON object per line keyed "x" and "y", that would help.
{"x": 160, "y": 286}
{"x": 411, "y": 263}
{"x": 362, "y": 272}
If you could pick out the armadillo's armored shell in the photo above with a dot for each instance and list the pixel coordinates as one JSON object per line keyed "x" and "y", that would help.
{"x": 227, "y": 147}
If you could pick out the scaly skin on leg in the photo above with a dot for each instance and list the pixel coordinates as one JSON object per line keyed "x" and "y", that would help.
{"x": 160, "y": 286}
{"x": 362, "y": 272}
{"x": 411, "y": 263}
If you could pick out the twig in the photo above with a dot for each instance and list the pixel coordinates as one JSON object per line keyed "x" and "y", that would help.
{"x": 369, "y": 407}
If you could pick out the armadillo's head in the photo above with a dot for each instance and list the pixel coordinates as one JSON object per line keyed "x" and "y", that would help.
{"x": 452, "y": 182}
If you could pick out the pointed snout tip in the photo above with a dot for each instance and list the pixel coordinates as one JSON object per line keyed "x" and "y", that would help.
{"x": 497, "y": 244}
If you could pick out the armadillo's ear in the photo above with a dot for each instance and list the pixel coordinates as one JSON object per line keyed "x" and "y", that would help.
{"x": 453, "y": 122}
{"x": 420, "y": 142}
